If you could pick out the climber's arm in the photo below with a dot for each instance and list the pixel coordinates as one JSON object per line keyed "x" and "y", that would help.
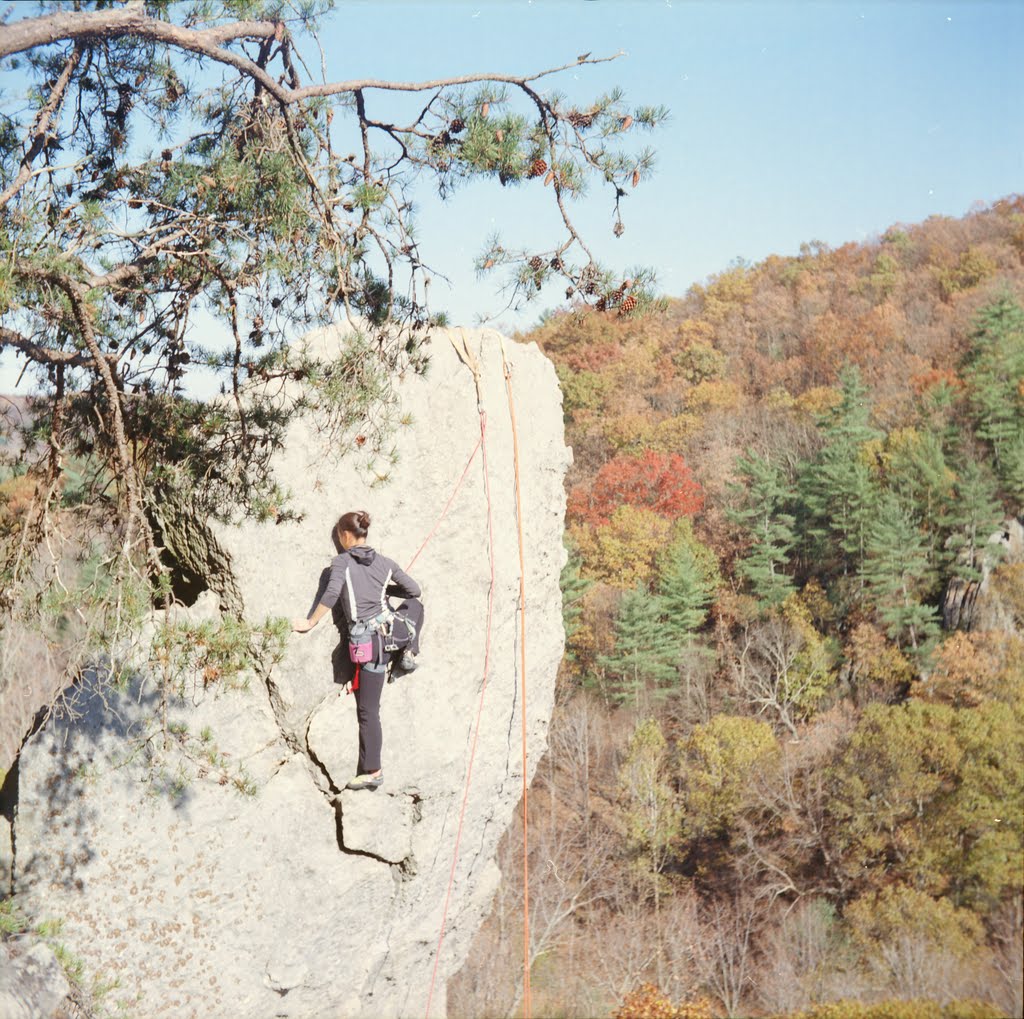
{"x": 304, "y": 625}
{"x": 327, "y": 600}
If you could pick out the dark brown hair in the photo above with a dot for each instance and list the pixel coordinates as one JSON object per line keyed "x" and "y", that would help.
{"x": 357, "y": 522}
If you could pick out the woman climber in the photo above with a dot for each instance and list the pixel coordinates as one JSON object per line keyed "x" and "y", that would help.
{"x": 361, "y": 580}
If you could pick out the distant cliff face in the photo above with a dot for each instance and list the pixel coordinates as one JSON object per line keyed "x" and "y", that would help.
{"x": 981, "y": 604}
{"x": 292, "y": 898}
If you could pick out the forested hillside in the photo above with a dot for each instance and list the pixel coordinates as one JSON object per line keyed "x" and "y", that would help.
{"x": 788, "y": 762}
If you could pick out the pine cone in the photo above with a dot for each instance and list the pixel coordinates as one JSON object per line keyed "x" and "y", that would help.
{"x": 578, "y": 119}
{"x": 628, "y": 305}
{"x": 602, "y": 304}
{"x": 569, "y": 292}
{"x": 536, "y": 263}
{"x": 457, "y": 125}
{"x": 556, "y": 264}
{"x": 537, "y": 168}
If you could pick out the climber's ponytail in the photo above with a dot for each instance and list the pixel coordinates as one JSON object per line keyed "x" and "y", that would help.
{"x": 357, "y": 522}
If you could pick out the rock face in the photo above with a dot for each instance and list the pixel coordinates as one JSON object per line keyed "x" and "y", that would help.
{"x": 32, "y": 983}
{"x": 238, "y": 879}
{"x": 978, "y": 604}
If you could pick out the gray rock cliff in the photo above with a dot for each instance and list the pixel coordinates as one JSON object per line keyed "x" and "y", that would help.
{"x": 974, "y": 604}
{"x": 295, "y": 898}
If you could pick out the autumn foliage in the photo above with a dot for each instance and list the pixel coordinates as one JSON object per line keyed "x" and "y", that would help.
{"x": 660, "y": 481}
{"x": 647, "y": 1002}
{"x": 796, "y": 570}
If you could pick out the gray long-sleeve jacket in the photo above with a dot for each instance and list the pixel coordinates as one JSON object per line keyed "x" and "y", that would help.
{"x": 362, "y": 579}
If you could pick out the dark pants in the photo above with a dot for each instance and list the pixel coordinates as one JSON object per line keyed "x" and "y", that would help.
{"x": 371, "y": 683}
{"x": 368, "y": 712}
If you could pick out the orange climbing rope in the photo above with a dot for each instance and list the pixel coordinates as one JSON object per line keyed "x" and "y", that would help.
{"x": 471, "y": 363}
{"x": 448, "y": 504}
{"x": 522, "y": 680}
{"x": 482, "y": 445}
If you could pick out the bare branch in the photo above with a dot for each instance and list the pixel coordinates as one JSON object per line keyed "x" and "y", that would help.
{"x": 41, "y": 128}
{"x": 48, "y": 355}
{"x": 128, "y": 21}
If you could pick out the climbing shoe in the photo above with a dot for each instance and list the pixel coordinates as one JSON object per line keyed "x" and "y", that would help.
{"x": 407, "y": 663}
{"x": 366, "y": 782}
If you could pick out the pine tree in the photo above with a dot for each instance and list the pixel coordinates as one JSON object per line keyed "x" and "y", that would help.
{"x": 686, "y": 585}
{"x": 161, "y": 158}
{"x": 764, "y": 496}
{"x": 837, "y": 490}
{"x": 574, "y": 588}
{"x": 895, "y": 569}
{"x": 994, "y": 373}
{"x": 973, "y": 514}
{"x": 645, "y": 651}
{"x": 916, "y": 469}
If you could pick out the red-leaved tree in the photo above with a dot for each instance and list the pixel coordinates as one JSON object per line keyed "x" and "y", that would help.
{"x": 660, "y": 481}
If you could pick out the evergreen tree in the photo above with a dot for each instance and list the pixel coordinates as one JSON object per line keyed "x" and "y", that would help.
{"x": 686, "y": 585}
{"x": 645, "y": 650}
{"x": 973, "y": 514}
{"x": 764, "y": 496}
{"x": 837, "y": 490}
{"x": 158, "y": 159}
{"x": 574, "y": 588}
{"x": 994, "y": 373}
{"x": 916, "y": 470}
{"x": 895, "y": 569}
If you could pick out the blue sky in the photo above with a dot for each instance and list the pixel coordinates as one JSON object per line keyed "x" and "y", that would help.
{"x": 790, "y": 122}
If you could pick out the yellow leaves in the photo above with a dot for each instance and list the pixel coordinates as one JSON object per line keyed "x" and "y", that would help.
{"x": 973, "y": 266}
{"x": 818, "y": 400}
{"x": 971, "y": 668}
{"x": 637, "y": 368}
{"x": 727, "y": 293}
{"x": 699, "y": 360}
{"x": 713, "y": 395}
{"x": 695, "y": 330}
{"x": 648, "y": 1002}
{"x": 671, "y": 434}
{"x": 717, "y": 763}
{"x": 780, "y": 398}
{"x": 878, "y": 920}
{"x": 630, "y": 430}
{"x": 624, "y": 551}
{"x": 879, "y": 668}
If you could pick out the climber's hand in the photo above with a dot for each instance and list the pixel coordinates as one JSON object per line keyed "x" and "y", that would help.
{"x": 348, "y": 689}
{"x": 302, "y": 625}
